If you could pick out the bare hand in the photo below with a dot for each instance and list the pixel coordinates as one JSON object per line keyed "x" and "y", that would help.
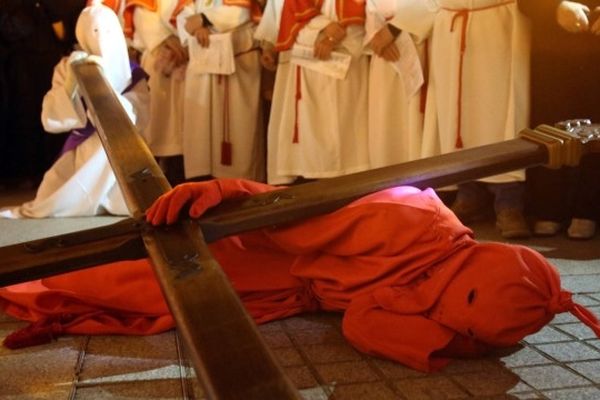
{"x": 390, "y": 53}
{"x": 202, "y": 35}
{"x": 573, "y": 16}
{"x": 268, "y": 58}
{"x": 180, "y": 54}
{"x": 165, "y": 61}
{"x": 323, "y": 47}
{"x": 381, "y": 40}
{"x": 192, "y": 23}
{"x": 334, "y": 32}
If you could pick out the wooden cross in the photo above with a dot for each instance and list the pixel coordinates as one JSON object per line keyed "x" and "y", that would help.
{"x": 227, "y": 352}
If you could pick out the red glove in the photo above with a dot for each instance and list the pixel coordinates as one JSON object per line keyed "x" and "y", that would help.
{"x": 201, "y": 196}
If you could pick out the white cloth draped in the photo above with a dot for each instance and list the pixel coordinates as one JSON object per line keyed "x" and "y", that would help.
{"x": 223, "y": 108}
{"x": 395, "y": 118}
{"x": 81, "y": 182}
{"x": 494, "y": 103}
{"x": 331, "y": 115}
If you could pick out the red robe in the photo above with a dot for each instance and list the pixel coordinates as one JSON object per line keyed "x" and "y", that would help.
{"x": 398, "y": 263}
{"x": 326, "y": 263}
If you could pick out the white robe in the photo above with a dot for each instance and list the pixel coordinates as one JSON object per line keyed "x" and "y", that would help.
{"x": 268, "y": 27}
{"x": 495, "y": 78}
{"x": 81, "y": 182}
{"x": 223, "y": 107}
{"x": 395, "y": 117}
{"x": 332, "y": 113}
{"x": 163, "y": 134}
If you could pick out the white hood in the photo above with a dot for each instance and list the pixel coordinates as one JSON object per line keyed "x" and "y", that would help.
{"x": 99, "y": 33}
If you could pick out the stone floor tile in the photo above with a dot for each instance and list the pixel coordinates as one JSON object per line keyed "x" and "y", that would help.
{"x": 430, "y": 388}
{"x": 172, "y": 371}
{"x": 578, "y": 330}
{"x": 594, "y": 342}
{"x": 547, "y": 335}
{"x": 589, "y": 369}
{"x": 487, "y": 383}
{"x": 549, "y": 377}
{"x": 274, "y": 326}
{"x": 365, "y": 391}
{"x": 301, "y": 377}
{"x": 524, "y": 357}
{"x": 347, "y": 372}
{"x": 394, "y": 370}
{"x": 39, "y": 394}
{"x": 460, "y": 366}
{"x": 595, "y": 296}
{"x": 582, "y": 283}
{"x": 317, "y": 336}
{"x": 586, "y": 300}
{"x": 288, "y": 356}
{"x": 191, "y": 386}
{"x": 570, "y": 351}
{"x": 563, "y": 319}
{"x": 326, "y": 353}
{"x": 166, "y": 389}
{"x": 315, "y": 393}
{"x": 587, "y": 393}
{"x": 45, "y": 370}
{"x": 577, "y": 266}
{"x": 522, "y": 396}
{"x": 308, "y": 321}
{"x": 522, "y": 387}
{"x": 276, "y": 339}
{"x": 108, "y": 356}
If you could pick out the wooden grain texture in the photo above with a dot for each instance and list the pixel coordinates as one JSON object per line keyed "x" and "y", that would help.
{"x": 227, "y": 352}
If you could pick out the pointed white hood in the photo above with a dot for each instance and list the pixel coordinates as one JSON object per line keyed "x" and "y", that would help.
{"x": 99, "y": 33}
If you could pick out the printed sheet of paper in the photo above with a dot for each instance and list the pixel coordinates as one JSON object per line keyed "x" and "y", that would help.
{"x": 337, "y": 66}
{"x": 409, "y": 64}
{"x": 217, "y": 58}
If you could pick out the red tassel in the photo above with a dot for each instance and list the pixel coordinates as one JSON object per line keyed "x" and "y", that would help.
{"x": 295, "y": 138}
{"x": 225, "y": 153}
{"x": 459, "y": 143}
{"x": 40, "y": 332}
{"x": 225, "y": 143}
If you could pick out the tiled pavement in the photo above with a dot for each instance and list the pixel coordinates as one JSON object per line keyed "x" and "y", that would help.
{"x": 562, "y": 361}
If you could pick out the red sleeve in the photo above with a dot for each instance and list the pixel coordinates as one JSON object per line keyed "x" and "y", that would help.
{"x": 412, "y": 340}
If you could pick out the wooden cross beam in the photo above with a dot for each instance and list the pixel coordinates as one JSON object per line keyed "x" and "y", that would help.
{"x": 227, "y": 352}
{"x": 45, "y": 257}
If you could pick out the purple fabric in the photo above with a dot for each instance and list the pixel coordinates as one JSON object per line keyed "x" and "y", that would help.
{"x": 79, "y": 135}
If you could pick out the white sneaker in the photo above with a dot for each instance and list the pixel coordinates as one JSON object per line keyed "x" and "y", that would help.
{"x": 546, "y": 228}
{"x": 581, "y": 228}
